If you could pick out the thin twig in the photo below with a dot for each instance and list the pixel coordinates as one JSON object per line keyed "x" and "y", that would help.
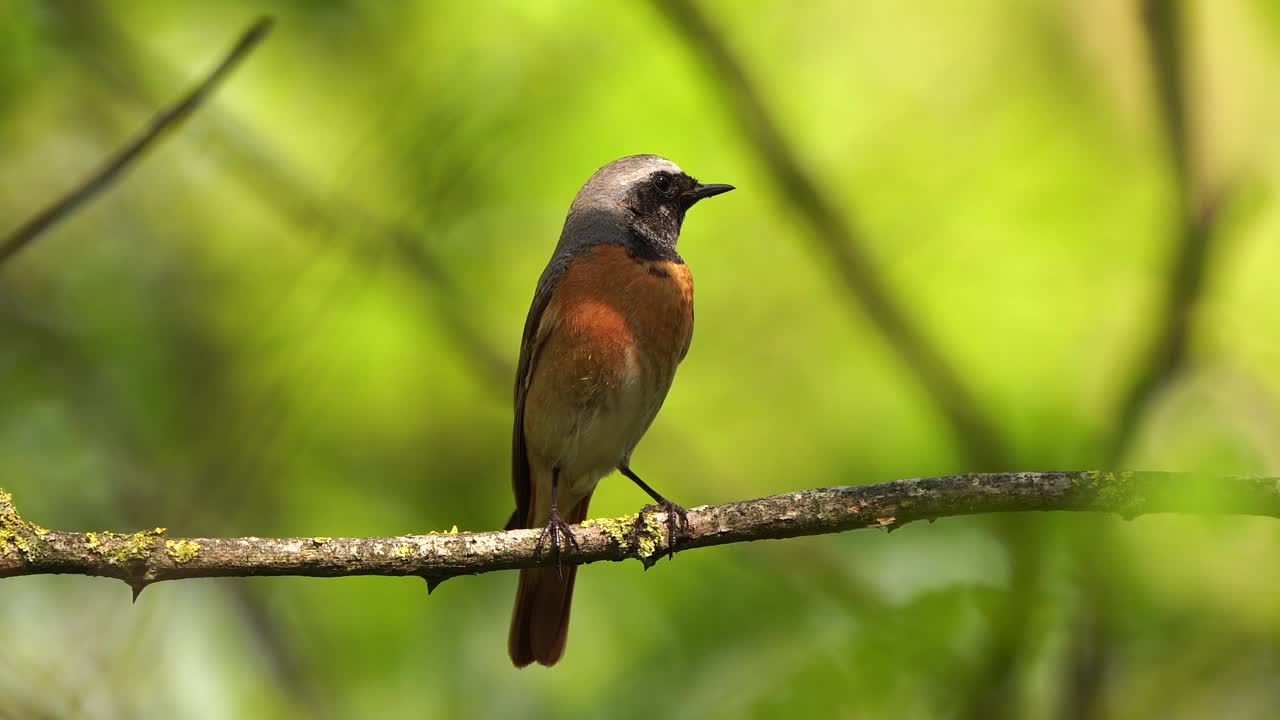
{"x": 150, "y": 556}
{"x": 838, "y": 237}
{"x": 164, "y": 122}
{"x": 253, "y": 162}
{"x": 1197, "y": 214}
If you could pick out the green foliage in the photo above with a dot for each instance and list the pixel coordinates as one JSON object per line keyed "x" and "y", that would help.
{"x": 300, "y": 315}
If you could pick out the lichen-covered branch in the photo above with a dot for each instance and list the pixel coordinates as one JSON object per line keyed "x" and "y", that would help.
{"x": 150, "y": 556}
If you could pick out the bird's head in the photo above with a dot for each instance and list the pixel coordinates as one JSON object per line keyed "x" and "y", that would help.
{"x": 647, "y": 195}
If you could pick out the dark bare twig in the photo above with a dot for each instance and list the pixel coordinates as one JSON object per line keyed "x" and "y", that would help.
{"x": 841, "y": 241}
{"x": 165, "y": 121}
{"x": 1163, "y": 29}
{"x": 1197, "y": 213}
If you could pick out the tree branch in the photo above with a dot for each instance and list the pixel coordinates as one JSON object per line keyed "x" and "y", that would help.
{"x": 150, "y": 556}
{"x": 168, "y": 119}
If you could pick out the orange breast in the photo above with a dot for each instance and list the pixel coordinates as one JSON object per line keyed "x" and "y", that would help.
{"x": 617, "y": 301}
{"x": 612, "y": 320}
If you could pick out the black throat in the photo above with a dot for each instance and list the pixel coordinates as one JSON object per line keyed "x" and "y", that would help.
{"x": 643, "y": 248}
{"x": 654, "y": 225}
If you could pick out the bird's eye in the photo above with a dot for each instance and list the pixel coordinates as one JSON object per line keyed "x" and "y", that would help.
{"x": 664, "y": 184}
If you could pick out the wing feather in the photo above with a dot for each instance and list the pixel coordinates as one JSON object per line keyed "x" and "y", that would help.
{"x": 537, "y": 326}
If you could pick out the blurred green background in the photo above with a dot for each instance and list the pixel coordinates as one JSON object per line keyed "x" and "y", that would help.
{"x": 299, "y": 315}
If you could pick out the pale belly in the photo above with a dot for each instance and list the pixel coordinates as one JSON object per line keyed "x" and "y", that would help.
{"x": 597, "y": 423}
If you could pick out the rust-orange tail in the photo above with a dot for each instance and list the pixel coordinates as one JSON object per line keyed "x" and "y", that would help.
{"x": 540, "y": 621}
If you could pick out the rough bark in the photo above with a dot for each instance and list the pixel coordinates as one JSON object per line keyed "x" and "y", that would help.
{"x": 149, "y": 556}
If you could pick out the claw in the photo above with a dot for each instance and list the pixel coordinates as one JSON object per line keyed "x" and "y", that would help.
{"x": 555, "y": 529}
{"x": 677, "y": 526}
{"x": 677, "y": 523}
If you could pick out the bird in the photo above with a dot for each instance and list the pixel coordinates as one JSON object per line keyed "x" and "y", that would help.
{"x": 611, "y": 318}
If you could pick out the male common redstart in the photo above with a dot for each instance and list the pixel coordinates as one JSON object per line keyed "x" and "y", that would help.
{"x": 611, "y": 319}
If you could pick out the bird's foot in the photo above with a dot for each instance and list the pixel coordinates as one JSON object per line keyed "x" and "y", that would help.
{"x": 556, "y": 528}
{"x": 677, "y": 523}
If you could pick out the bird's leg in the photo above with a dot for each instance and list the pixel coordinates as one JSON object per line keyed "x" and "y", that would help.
{"x": 556, "y": 526}
{"x": 677, "y": 517}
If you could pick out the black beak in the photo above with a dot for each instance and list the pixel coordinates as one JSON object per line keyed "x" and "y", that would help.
{"x": 701, "y": 192}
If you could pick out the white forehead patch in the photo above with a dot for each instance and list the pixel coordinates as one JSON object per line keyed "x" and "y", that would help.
{"x": 613, "y": 182}
{"x": 636, "y": 168}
